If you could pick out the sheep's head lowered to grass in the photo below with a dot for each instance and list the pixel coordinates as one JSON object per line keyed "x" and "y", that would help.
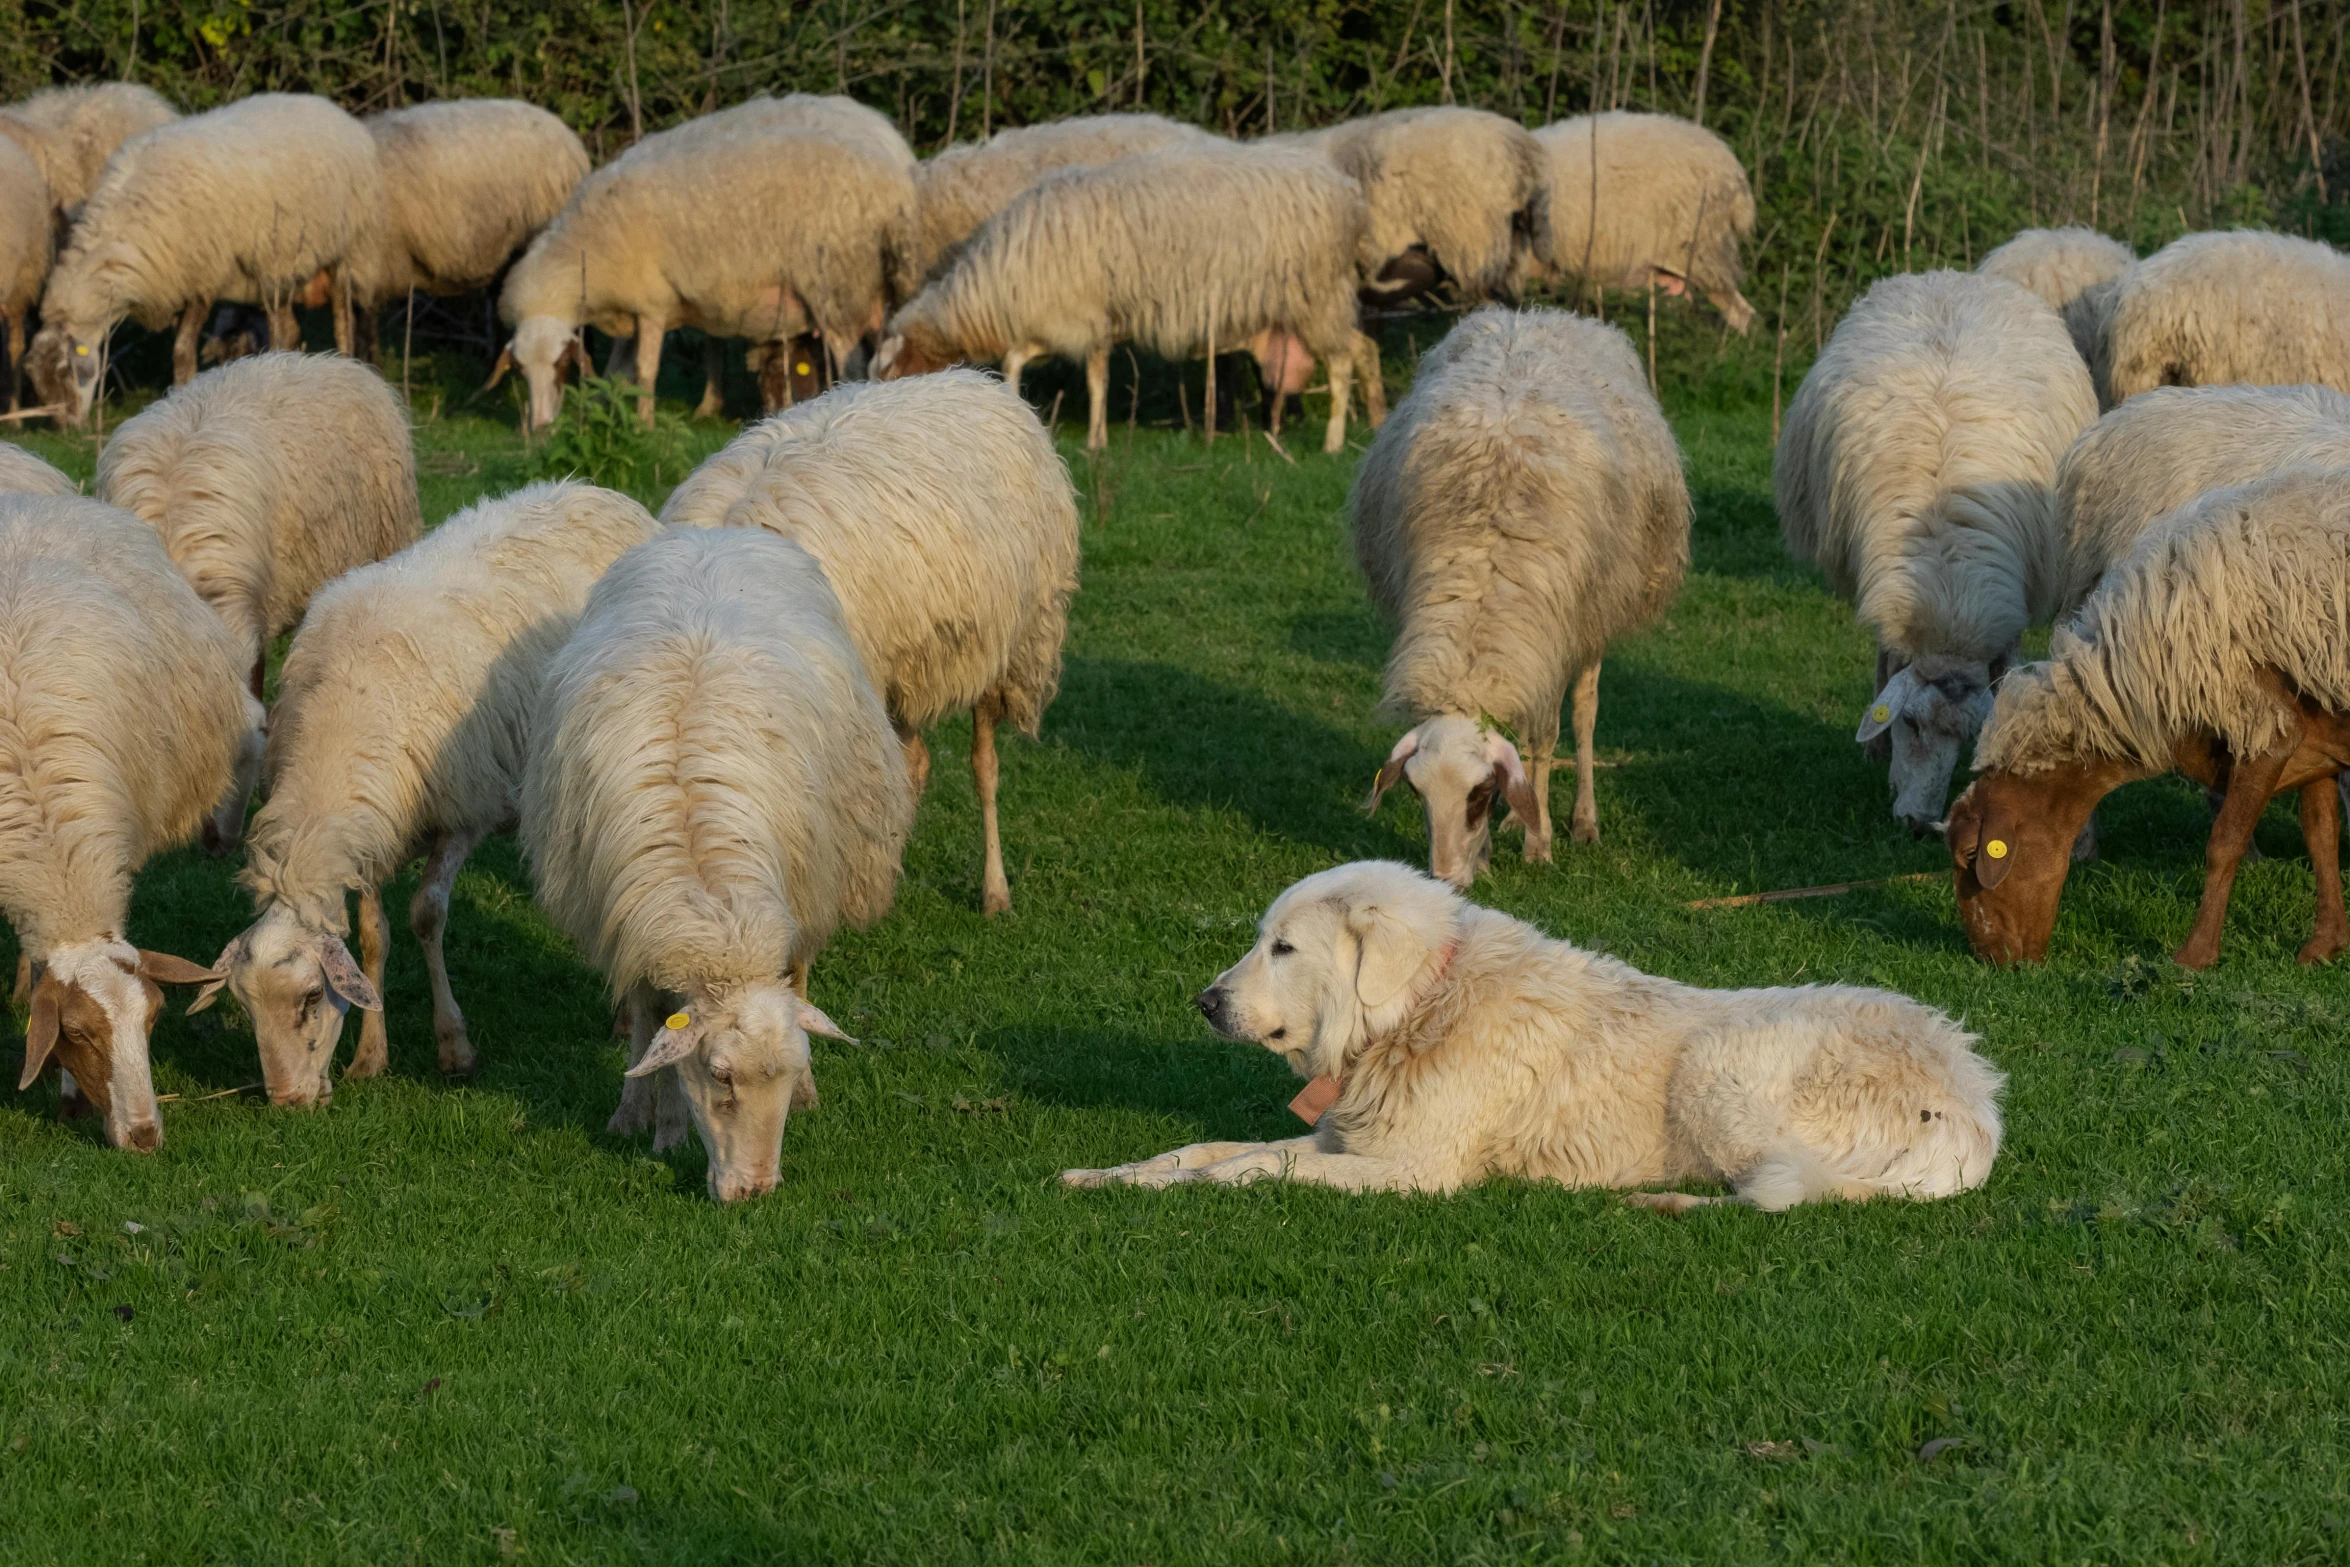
{"x": 94, "y": 1005}
{"x": 297, "y": 979}
{"x": 545, "y": 349}
{"x": 1459, "y": 768}
{"x": 66, "y": 365}
{"x": 1931, "y": 708}
{"x": 742, "y": 1062}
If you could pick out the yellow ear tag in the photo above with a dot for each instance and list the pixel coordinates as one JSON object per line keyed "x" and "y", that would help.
{"x": 678, "y": 1021}
{"x": 1881, "y": 713}
{"x": 1996, "y": 848}
{"x": 802, "y": 368}
{"x": 81, "y": 348}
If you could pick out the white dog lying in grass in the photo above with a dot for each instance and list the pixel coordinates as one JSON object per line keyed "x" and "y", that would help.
{"x": 1448, "y": 1043}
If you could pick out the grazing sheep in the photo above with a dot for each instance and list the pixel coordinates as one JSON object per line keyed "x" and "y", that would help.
{"x": 834, "y": 115}
{"x": 399, "y": 729}
{"x": 712, "y": 788}
{"x": 121, "y": 705}
{"x": 1184, "y": 252}
{"x": 730, "y": 223}
{"x": 27, "y": 245}
{"x": 967, "y": 184}
{"x": 1523, "y": 509}
{"x": 1452, "y": 194}
{"x": 2246, "y": 305}
{"x": 21, "y": 473}
{"x": 255, "y": 202}
{"x": 467, "y": 184}
{"x": 2219, "y": 648}
{"x": 944, "y": 520}
{"x": 1675, "y": 201}
{"x": 267, "y": 479}
{"x": 1916, "y": 471}
{"x": 2072, "y": 269}
{"x": 71, "y": 132}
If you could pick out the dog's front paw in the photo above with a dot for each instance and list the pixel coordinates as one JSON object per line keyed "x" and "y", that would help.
{"x": 1671, "y": 1204}
{"x": 1087, "y": 1180}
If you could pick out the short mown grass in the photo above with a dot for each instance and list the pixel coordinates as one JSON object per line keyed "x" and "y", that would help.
{"x": 442, "y": 1324}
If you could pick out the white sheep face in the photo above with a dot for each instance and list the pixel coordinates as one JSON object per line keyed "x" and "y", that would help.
{"x": 1932, "y": 708}
{"x": 94, "y": 1007}
{"x": 742, "y": 1062}
{"x": 1462, "y": 771}
{"x": 542, "y": 346}
{"x": 297, "y": 980}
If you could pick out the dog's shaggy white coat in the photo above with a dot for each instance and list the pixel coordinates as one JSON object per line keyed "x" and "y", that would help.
{"x": 1469, "y": 1045}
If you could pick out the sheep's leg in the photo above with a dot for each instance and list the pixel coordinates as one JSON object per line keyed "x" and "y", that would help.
{"x": 713, "y": 401}
{"x": 671, "y": 1119}
{"x": 1585, "y": 822}
{"x": 183, "y": 343}
{"x": 917, "y": 761}
{"x": 2321, "y": 829}
{"x": 285, "y": 328}
{"x": 227, "y": 823}
{"x": 648, "y": 367}
{"x": 1374, "y": 378}
{"x": 346, "y": 325}
{"x": 1015, "y": 361}
{"x": 1342, "y": 377}
{"x": 2252, "y": 781}
{"x": 15, "y": 355}
{"x": 1097, "y": 393}
{"x": 636, "y": 1093}
{"x": 428, "y": 917}
{"x": 375, "y": 940}
{"x": 995, "y": 893}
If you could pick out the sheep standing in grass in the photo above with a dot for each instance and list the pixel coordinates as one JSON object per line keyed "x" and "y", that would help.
{"x": 27, "y": 245}
{"x": 1451, "y": 194}
{"x": 71, "y": 132}
{"x": 964, "y": 186}
{"x": 1917, "y": 471}
{"x": 1184, "y": 252}
{"x": 712, "y": 788}
{"x": 1637, "y": 199}
{"x": 256, "y": 202}
{"x": 2073, "y": 269}
{"x": 467, "y": 184}
{"x": 2246, "y": 305}
{"x": 944, "y": 519}
{"x": 1524, "y": 508}
{"x": 267, "y": 479}
{"x": 121, "y": 705}
{"x": 731, "y": 223}
{"x": 399, "y": 729}
{"x": 2219, "y": 648}
{"x": 21, "y": 473}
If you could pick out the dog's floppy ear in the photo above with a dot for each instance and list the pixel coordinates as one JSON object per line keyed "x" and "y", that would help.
{"x": 1887, "y": 706}
{"x": 1388, "y": 952}
{"x": 1509, "y": 775}
{"x": 1392, "y": 769}
{"x": 1986, "y": 848}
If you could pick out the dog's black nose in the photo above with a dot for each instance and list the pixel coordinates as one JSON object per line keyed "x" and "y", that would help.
{"x": 1211, "y": 1006}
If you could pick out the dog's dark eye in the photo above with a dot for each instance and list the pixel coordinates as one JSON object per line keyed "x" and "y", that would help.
{"x": 1282, "y": 949}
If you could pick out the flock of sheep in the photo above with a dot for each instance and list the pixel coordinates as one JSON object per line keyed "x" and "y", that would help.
{"x": 708, "y": 726}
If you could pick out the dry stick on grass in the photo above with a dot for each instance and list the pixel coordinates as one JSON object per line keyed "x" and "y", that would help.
{"x": 241, "y": 1088}
{"x": 1790, "y": 894}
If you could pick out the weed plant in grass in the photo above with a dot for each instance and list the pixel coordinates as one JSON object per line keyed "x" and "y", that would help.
{"x": 449, "y": 1324}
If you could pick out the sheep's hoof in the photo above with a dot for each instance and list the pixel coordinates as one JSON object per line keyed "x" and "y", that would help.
{"x": 2323, "y": 947}
{"x": 1584, "y": 831}
{"x": 2197, "y": 954}
{"x": 368, "y": 1062}
{"x": 996, "y": 900}
{"x": 457, "y": 1056}
{"x": 1537, "y": 850}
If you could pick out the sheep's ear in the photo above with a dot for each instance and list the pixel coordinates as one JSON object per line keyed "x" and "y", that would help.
{"x": 165, "y": 969}
{"x": 1986, "y": 848}
{"x": 230, "y": 956}
{"x": 575, "y": 357}
{"x": 503, "y": 368}
{"x": 1388, "y": 954}
{"x": 1509, "y": 775}
{"x": 343, "y": 974}
{"x": 673, "y": 1044}
{"x": 813, "y": 1021}
{"x": 40, "y": 1030}
{"x": 1392, "y": 769}
{"x": 1887, "y": 706}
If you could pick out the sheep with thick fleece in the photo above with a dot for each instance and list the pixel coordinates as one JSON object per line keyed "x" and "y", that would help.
{"x": 467, "y": 183}
{"x": 71, "y": 132}
{"x": 399, "y": 729}
{"x": 1523, "y": 508}
{"x": 2164, "y": 447}
{"x": 1917, "y": 470}
{"x": 712, "y": 788}
{"x": 253, "y": 203}
{"x": 2220, "y": 646}
{"x": 121, "y": 708}
{"x": 1185, "y": 252}
{"x": 2073, "y": 269}
{"x": 1450, "y": 193}
{"x": 964, "y": 186}
{"x": 1672, "y": 207}
{"x": 944, "y": 519}
{"x": 733, "y": 223}
{"x": 21, "y": 473}
{"x": 267, "y": 479}
{"x": 27, "y": 246}
{"x": 2244, "y": 305}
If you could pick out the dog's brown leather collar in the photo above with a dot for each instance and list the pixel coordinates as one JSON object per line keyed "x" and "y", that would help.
{"x": 1320, "y": 1093}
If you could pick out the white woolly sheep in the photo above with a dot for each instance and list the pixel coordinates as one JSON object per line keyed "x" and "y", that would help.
{"x": 71, "y": 132}
{"x": 2246, "y": 305}
{"x": 27, "y": 245}
{"x": 2219, "y": 647}
{"x": 964, "y": 186}
{"x": 1523, "y": 508}
{"x": 729, "y": 223}
{"x": 1451, "y": 194}
{"x": 467, "y": 184}
{"x": 1674, "y": 203}
{"x": 2072, "y": 269}
{"x": 712, "y": 788}
{"x": 398, "y": 729}
{"x": 1184, "y": 252}
{"x": 256, "y": 203}
{"x": 21, "y": 473}
{"x": 1916, "y": 470}
{"x": 121, "y": 708}
{"x": 944, "y": 519}
{"x": 267, "y": 479}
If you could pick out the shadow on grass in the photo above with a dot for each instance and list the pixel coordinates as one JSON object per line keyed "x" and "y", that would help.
{"x": 1229, "y": 1090}
{"x": 1341, "y": 636}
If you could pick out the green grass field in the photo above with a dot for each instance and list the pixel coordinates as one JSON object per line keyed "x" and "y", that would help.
{"x": 446, "y": 1324}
